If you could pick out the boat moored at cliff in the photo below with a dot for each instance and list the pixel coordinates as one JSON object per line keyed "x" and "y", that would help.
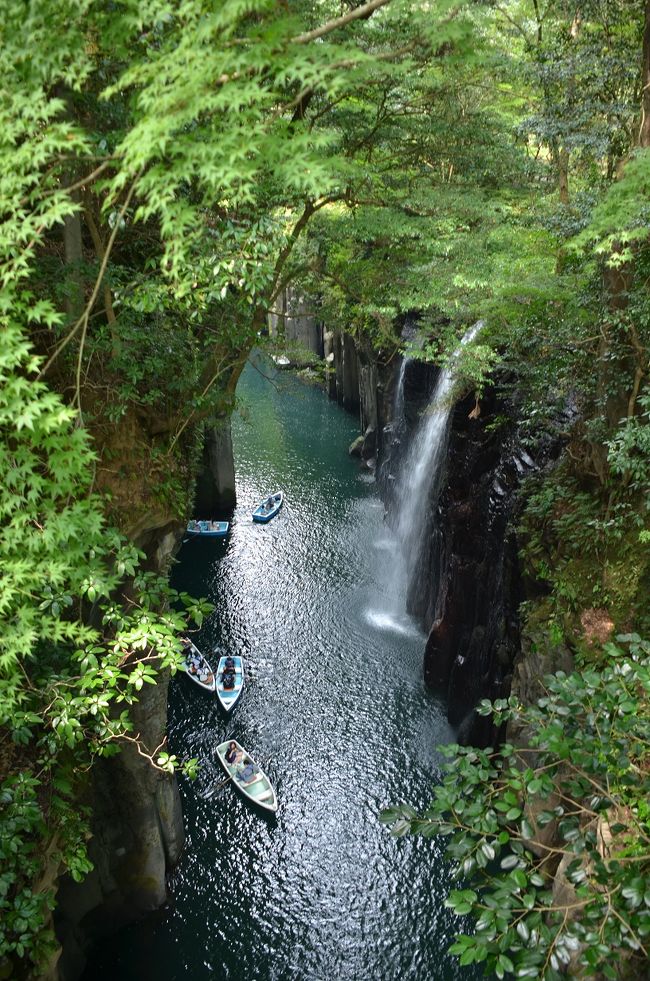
{"x": 209, "y": 529}
{"x": 197, "y": 666}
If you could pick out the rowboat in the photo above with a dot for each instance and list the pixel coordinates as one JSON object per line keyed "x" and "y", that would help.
{"x": 210, "y": 529}
{"x": 197, "y": 666}
{"x": 229, "y": 696}
{"x": 249, "y": 778}
{"x": 269, "y": 507}
{"x": 281, "y": 360}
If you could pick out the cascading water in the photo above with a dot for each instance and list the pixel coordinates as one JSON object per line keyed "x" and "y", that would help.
{"x": 398, "y": 410}
{"x": 421, "y": 474}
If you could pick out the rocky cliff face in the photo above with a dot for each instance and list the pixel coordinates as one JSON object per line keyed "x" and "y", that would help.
{"x": 137, "y": 821}
{"x": 215, "y": 482}
{"x": 362, "y": 381}
{"x": 137, "y": 839}
{"x": 295, "y": 319}
{"x": 471, "y": 607}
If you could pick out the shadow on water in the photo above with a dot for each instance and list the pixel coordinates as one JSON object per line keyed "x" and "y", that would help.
{"x": 336, "y": 711}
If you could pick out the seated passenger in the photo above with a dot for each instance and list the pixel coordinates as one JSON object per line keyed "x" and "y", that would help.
{"x": 248, "y": 773}
{"x": 228, "y": 679}
{"x": 233, "y": 755}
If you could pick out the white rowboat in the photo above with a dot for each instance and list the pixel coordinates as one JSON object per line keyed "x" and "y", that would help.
{"x": 197, "y": 666}
{"x": 248, "y": 778}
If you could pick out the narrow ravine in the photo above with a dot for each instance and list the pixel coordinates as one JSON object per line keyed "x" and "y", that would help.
{"x": 336, "y": 710}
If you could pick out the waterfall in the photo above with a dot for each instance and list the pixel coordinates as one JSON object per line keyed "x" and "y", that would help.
{"x": 422, "y": 470}
{"x": 398, "y": 408}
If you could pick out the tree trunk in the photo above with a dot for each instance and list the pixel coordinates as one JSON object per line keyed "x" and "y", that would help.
{"x": 73, "y": 249}
{"x": 100, "y": 251}
{"x": 644, "y": 130}
{"x": 563, "y": 174}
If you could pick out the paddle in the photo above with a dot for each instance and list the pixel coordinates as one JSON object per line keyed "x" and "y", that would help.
{"x": 212, "y": 791}
{"x": 219, "y": 786}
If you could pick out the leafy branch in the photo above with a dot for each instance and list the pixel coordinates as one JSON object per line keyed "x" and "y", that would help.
{"x": 554, "y": 837}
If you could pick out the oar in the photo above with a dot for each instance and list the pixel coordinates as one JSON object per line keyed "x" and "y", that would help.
{"x": 224, "y": 782}
{"x": 212, "y": 791}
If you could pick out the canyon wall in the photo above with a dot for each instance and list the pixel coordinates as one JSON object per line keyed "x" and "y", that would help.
{"x": 137, "y": 820}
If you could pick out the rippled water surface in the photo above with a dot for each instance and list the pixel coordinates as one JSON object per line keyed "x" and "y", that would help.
{"x": 335, "y": 710}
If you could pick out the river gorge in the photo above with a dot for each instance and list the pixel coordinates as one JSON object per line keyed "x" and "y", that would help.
{"x": 335, "y": 707}
{"x": 390, "y": 257}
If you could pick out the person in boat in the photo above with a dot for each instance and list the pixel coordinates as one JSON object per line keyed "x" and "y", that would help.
{"x": 233, "y": 755}
{"x": 228, "y": 679}
{"x": 248, "y": 772}
{"x": 229, "y": 664}
{"x": 270, "y": 503}
{"x": 192, "y": 660}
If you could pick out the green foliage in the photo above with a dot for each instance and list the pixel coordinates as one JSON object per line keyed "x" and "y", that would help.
{"x": 172, "y": 143}
{"x": 473, "y": 363}
{"x": 621, "y": 219}
{"x": 75, "y": 653}
{"x": 585, "y": 544}
{"x": 554, "y": 836}
{"x": 629, "y": 449}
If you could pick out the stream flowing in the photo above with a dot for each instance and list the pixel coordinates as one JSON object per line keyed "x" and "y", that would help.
{"x": 335, "y": 710}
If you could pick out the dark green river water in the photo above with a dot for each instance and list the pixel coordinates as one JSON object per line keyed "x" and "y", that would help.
{"x": 336, "y": 711}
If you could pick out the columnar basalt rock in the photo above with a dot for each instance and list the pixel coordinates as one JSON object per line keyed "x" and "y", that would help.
{"x": 215, "y": 482}
{"x": 137, "y": 819}
{"x": 302, "y": 326}
{"x": 346, "y": 371}
{"x": 362, "y": 382}
{"x": 137, "y": 839}
{"x": 294, "y": 318}
{"x": 467, "y": 589}
{"x": 471, "y": 609}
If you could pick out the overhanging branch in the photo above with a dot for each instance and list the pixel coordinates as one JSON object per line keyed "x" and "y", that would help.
{"x": 333, "y": 25}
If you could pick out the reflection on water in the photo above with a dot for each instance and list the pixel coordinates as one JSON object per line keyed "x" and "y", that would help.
{"x": 334, "y": 709}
